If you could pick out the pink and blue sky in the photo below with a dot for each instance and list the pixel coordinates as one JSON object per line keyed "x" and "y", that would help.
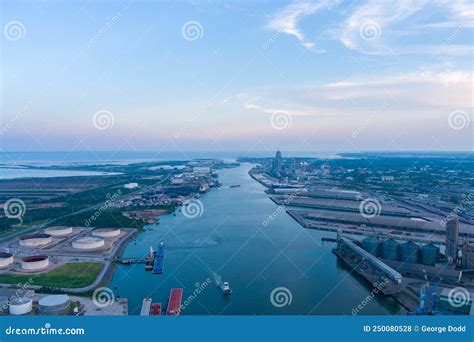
{"x": 237, "y": 75}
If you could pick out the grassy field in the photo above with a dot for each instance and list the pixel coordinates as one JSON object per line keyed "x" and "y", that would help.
{"x": 70, "y": 275}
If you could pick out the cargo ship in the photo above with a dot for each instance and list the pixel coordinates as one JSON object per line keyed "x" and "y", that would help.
{"x": 174, "y": 303}
{"x": 159, "y": 259}
{"x": 155, "y": 309}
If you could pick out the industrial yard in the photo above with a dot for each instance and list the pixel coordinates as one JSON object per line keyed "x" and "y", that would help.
{"x": 389, "y": 231}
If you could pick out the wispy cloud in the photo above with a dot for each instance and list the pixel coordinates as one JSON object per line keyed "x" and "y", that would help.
{"x": 287, "y": 19}
{"x": 423, "y": 91}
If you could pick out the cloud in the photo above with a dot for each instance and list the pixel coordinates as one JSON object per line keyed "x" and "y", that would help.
{"x": 401, "y": 27}
{"x": 422, "y": 91}
{"x": 368, "y": 28}
{"x": 287, "y": 19}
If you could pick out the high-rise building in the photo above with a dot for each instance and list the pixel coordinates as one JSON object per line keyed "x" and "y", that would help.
{"x": 278, "y": 164}
{"x": 452, "y": 239}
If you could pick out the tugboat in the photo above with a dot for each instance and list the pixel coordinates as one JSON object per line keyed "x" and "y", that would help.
{"x": 225, "y": 288}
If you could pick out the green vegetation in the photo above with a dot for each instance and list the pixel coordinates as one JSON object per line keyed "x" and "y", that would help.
{"x": 70, "y": 275}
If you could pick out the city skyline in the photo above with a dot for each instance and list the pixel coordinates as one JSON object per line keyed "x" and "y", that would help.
{"x": 294, "y": 75}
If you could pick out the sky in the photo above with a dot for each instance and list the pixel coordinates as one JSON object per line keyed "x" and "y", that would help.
{"x": 322, "y": 75}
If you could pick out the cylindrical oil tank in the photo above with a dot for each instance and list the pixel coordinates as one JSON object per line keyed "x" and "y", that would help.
{"x": 54, "y": 305}
{"x": 106, "y": 232}
{"x": 32, "y": 263}
{"x": 58, "y": 231}
{"x": 20, "y": 306}
{"x": 372, "y": 245}
{"x": 6, "y": 259}
{"x": 429, "y": 254}
{"x": 410, "y": 252}
{"x": 35, "y": 239}
{"x": 390, "y": 249}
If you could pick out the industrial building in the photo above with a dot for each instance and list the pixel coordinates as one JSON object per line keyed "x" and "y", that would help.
{"x": 452, "y": 239}
{"x": 368, "y": 266}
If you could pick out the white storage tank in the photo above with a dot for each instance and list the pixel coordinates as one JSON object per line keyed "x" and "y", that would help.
{"x": 36, "y": 262}
{"x": 34, "y": 240}
{"x": 6, "y": 259}
{"x": 20, "y": 306}
{"x": 106, "y": 232}
{"x": 88, "y": 242}
{"x": 58, "y": 231}
{"x": 54, "y": 305}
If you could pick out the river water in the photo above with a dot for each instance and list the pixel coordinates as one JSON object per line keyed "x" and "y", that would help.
{"x": 231, "y": 241}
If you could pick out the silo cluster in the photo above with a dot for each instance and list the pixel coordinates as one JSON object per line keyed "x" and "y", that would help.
{"x": 410, "y": 252}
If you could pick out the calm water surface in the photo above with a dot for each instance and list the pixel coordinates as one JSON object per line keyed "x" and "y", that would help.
{"x": 230, "y": 240}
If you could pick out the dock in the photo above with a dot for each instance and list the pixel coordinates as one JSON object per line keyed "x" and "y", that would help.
{"x": 174, "y": 303}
